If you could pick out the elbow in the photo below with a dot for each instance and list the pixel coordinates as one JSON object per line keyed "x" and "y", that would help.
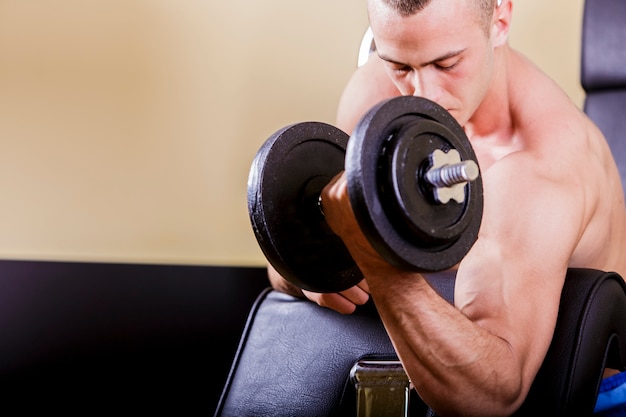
{"x": 504, "y": 398}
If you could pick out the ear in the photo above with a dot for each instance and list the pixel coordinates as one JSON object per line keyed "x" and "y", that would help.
{"x": 501, "y": 22}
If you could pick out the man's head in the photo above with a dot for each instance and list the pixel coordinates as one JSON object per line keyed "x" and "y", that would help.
{"x": 443, "y": 50}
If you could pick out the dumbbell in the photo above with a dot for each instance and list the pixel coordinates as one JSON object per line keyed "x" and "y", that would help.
{"x": 414, "y": 186}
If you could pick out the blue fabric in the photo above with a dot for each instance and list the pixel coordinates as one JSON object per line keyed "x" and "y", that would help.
{"x": 612, "y": 396}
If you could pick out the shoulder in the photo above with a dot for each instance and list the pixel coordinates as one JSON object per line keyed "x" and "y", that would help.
{"x": 368, "y": 85}
{"x": 533, "y": 203}
{"x": 547, "y": 123}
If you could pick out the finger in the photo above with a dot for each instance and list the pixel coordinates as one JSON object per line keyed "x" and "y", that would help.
{"x": 357, "y": 295}
{"x": 363, "y": 285}
{"x": 334, "y": 301}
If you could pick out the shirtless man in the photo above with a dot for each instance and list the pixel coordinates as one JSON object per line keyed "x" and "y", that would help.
{"x": 542, "y": 212}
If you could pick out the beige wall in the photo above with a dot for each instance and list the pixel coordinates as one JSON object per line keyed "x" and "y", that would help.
{"x": 127, "y": 127}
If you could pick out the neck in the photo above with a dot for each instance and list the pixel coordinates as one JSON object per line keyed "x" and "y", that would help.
{"x": 494, "y": 113}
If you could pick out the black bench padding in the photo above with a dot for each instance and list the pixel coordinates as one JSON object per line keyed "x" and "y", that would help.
{"x": 603, "y": 72}
{"x": 295, "y": 357}
{"x": 590, "y": 332}
{"x": 603, "y": 53}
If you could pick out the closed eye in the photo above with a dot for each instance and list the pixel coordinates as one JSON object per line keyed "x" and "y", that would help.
{"x": 402, "y": 69}
{"x": 399, "y": 70}
{"x": 398, "y": 66}
{"x": 446, "y": 62}
{"x": 447, "y": 65}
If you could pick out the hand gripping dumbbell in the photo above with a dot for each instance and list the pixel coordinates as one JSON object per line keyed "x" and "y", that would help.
{"x": 414, "y": 186}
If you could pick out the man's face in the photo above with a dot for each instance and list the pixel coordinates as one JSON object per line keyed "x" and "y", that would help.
{"x": 441, "y": 53}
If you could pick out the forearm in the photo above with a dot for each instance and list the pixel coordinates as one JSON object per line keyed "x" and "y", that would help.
{"x": 456, "y": 366}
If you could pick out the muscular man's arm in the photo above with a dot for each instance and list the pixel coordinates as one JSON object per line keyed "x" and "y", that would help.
{"x": 480, "y": 356}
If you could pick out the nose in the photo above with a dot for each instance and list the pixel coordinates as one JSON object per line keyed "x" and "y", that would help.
{"x": 422, "y": 84}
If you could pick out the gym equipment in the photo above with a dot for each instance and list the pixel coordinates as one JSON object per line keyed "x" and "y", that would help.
{"x": 286, "y": 179}
{"x": 413, "y": 182}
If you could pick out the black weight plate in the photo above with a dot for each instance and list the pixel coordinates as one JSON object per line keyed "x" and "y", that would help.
{"x": 286, "y": 178}
{"x": 408, "y": 198}
{"x": 373, "y": 170}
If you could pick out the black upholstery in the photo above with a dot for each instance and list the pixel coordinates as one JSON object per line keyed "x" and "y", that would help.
{"x": 603, "y": 72}
{"x": 603, "y": 51}
{"x": 590, "y": 332}
{"x": 295, "y": 357}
